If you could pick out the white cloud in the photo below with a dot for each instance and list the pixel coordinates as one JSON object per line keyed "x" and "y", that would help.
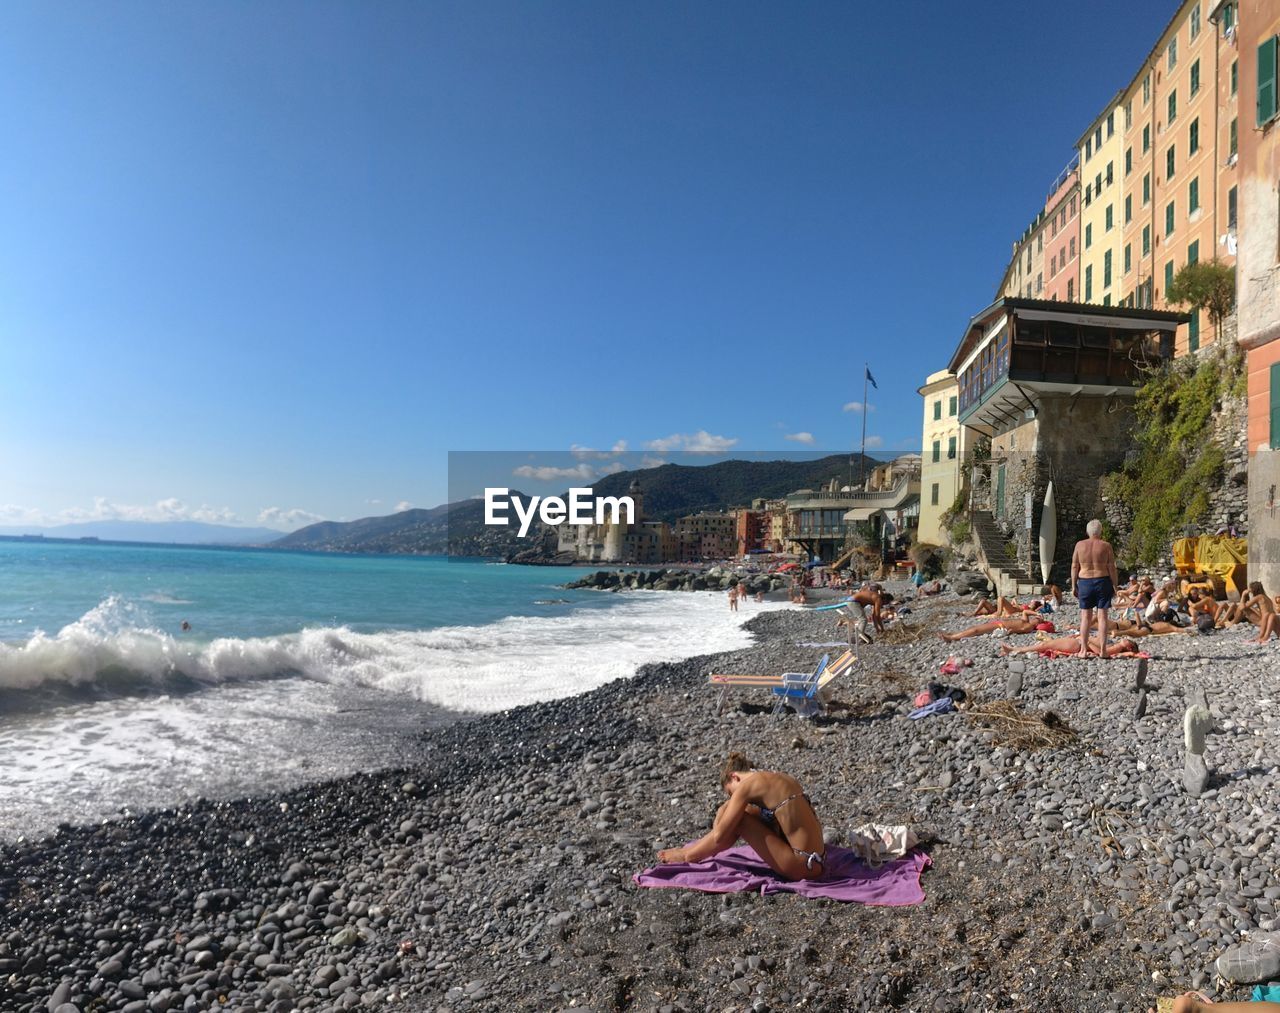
{"x": 275, "y": 517}
{"x": 403, "y": 505}
{"x": 652, "y": 462}
{"x": 103, "y": 509}
{"x": 857, "y": 406}
{"x": 590, "y": 453}
{"x": 11, "y": 513}
{"x": 611, "y": 469}
{"x": 799, "y": 437}
{"x": 546, "y": 473}
{"x": 701, "y": 442}
{"x": 874, "y": 441}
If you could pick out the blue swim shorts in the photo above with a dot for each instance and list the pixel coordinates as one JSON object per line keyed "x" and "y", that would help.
{"x": 1094, "y": 592}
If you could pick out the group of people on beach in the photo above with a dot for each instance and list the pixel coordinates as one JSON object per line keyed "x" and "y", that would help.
{"x": 1145, "y": 609}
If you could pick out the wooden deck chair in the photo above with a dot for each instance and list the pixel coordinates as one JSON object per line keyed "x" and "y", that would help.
{"x": 727, "y": 682}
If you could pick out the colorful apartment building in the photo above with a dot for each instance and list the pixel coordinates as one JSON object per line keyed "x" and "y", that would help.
{"x": 1254, "y": 26}
{"x": 1062, "y": 244}
{"x": 943, "y": 454}
{"x": 1101, "y": 150}
{"x": 1180, "y": 142}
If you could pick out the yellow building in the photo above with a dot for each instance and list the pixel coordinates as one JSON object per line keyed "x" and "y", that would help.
{"x": 1102, "y": 205}
{"x": 942, "y": 453}
{"x": 1180, "y": 155}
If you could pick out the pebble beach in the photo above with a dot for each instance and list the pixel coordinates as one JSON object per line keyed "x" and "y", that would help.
{"x": 495, "y": 872}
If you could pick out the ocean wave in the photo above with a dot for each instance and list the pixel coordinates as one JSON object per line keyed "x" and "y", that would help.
{"x": 514, "y": 661}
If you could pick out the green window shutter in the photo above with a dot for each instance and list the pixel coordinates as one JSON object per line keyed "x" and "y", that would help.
{"x": 1128, "y": 208}
{"x": 1193, "y": 136}
{"x": 1168, "y": 219}
{"x": 1193, "y": 196}
{"x": 1146, "y": 239}
{"x": 1275, "y": 406}
{"x": 937, "y": 409}
{"x": 1088, "y": 236}
{"x": 1193, "y": 252}
{"x": 1146, "y": 188}
{"x": 1234, "y": 147}
{"x": 1193, "y": 331}
{"x": 1169, "y": 162}
{"x": 951, "y": 448}
{"x": 1146, "y": 139}
{"x": 937, "y": 451}
{"x": 1106, "y": 269}
{"x": 1173, "y": 106}
{"x": 1111, "y": 220}
{"x": 1128, "y": 257}
{"x": 1168, "y": 277}
{"x": 952, "y": 407}
{"x": 1195, "y": 77}
{"x": 1266, "y": 80}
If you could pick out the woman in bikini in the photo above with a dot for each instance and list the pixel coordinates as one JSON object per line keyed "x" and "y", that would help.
{"x": 770, "y": 811}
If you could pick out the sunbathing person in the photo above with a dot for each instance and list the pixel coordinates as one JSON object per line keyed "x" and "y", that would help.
{"x": 1195, "y": 1002}
{"x": 1142, "y": 628}
{"x": 1070, "y": 647}
{"x": 771, "y": 813}
{"x": 1002, "y": 606}
{"x": 1200, "y": 604}
{"x": 1054, "y": 592}
{"x": 1250, "y": 607}
{"x": 982, "y": 629}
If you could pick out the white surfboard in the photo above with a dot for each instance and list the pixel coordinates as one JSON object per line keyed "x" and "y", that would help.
{"x": 1048, "y": 534}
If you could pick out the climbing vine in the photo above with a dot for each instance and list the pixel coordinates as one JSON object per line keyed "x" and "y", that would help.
{"x": 1167, "y": 481}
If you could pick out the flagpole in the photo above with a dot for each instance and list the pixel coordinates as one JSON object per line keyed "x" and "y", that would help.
{"x": 862, "y": 463}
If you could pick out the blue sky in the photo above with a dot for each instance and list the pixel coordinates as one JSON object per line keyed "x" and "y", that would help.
{"x": 271, "y": 262}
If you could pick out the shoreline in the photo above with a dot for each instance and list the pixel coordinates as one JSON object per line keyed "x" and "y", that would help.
{"x": 383, "y": 884}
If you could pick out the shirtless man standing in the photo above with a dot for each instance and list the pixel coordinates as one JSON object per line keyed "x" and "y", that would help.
{"x": 1093, "y": 581}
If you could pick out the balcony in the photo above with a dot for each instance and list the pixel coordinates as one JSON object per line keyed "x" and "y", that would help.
{"x": 1019, "y": 350}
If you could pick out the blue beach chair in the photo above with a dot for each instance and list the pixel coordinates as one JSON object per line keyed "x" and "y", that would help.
{"x": 799, "y": 689}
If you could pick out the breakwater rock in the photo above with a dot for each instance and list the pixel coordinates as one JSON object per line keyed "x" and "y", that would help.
{"x": 715, "y": 579}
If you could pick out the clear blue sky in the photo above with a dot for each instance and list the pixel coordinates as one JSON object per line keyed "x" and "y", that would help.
{"x": 285, "y": 256}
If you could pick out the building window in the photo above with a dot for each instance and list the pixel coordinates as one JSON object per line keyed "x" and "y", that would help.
{"x": 952, "y": 407}
{"x": 1073, "y": 210}
{"x": 937, "y": 451}
{"x": 933, "y": 494}
{"x": 1110, "y": 172}
{"x": 951, "y": 448}
{"x": 1128, "y": 161}
{"x": 1106, "y": 269}
{"x": 1128, "y": 257}
{"x": 937, "y": 409}
{"x": 1071, "y": 290}
{"x": 1128, "y": 208}
{"x": 1097, "y": 186}
{"x": 1088, "y": 283}
{"x": 1088, "y": 148}
{"x": 1195, "y": 21}
{"x": 1195, "y": 77}
{"x": 1168, "y": 219}
{"x": 1097, "y": 139}
{"x": 1146, "y": 138}
{"x": 1128, "y": 114}
{"x": 1040, "y": 243}
{"x": 1231, "y": 208}
{"x": 1169, "y": 162}
{"x": 1193, "y": 252}
{"x": 1111, "y": 123}
{"x": 1146, "y": 189}
{"x": 1266, "y": 102}
{"x": 1168, "y": 278}
{"x": 1110, "y": 219}
{"x": 1053, "y": 265}
{"x": 1146, "y": 240}
{"x": 1193, "y": 137}
{"x": 1193, "y": 331}
{"x": 1235, "y": 79}
{"x": 1173, "y": 52}
{"x": 1173, "y": 106}
{"x": 1088, "y": 235}
{"x": 1039, "y": 283}
{"x": 1232, "y": 136}
{"x": 1106, "y": 300}
{"x": 1146, "y": 89}
{"x": 1071, "y": 246}
{"x": 1193, "y": 196}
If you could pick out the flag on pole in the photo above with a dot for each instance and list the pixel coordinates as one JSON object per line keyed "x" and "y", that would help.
{"x": 871, "y": 379}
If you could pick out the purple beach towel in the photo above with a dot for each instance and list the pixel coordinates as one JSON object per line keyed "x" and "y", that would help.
{"x": 848, "y": 878}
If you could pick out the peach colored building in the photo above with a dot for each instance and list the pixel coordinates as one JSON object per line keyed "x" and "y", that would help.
{"x": 1062, "y": 244}
{"x": 1254, "y": 26}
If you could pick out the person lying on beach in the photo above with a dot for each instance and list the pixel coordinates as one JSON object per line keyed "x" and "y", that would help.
{"x": 1002, "y": 606}
{"x": 931, "y": 588}
{"x": 1053, "y": 591}
{"x": 770, "y": 812}
{"x": 982, "y": 629}
{"x": 1142, "y": 628}
{"x": 1070, "y": 647}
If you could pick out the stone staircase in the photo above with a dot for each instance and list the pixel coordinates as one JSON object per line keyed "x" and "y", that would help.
{"x": 1008, "y": 576}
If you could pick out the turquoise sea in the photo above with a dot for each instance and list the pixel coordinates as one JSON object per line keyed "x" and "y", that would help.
{"x": 295, "y": 666}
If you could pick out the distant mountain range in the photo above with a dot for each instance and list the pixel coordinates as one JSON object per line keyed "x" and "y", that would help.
{"x": 168, "y": 532}
{"x": 670, "y": 491}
